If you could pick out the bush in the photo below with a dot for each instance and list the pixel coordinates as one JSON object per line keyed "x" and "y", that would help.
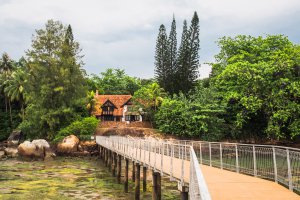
{"x": 83, "y": 129}
{"x": 190, "y": 119}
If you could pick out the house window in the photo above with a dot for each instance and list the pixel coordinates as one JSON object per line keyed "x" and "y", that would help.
{"x": 132, "y": 118}
{"x": 107, "y": 110}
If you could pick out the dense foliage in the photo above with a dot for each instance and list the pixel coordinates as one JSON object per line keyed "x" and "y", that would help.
{"x": 11, "y": 94}
{"x": 252, "y": 93}
{"x": 258, "y": 79}
{"x": 56, "y": 84}
{"x": 149, "y": 98}
{"x": 114, "y": 81}
{"x": 83, "y": 129}
{"x": 197, "y": 116}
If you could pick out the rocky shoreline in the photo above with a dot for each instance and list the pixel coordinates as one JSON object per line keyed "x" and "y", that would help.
{"x": 41, "y": 149}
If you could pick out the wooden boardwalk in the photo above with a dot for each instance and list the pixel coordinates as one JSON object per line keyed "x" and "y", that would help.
{"x": 227, "y": 185}
{"x": 222, "y": 184}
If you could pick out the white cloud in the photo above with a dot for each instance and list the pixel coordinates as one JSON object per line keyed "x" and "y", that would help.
{"x": 123, "y": 32}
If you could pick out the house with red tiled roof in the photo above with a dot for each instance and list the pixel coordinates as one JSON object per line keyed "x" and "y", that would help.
{"x": 118, "y": 108}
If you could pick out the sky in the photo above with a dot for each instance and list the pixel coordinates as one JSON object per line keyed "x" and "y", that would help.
{"x": 122, "y": 33}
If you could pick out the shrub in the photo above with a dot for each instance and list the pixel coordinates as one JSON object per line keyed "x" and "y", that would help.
{"x": 83, "y": 129}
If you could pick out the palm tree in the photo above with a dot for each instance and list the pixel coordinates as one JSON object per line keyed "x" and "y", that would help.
{"x": 6, "y": 68}
{"x": 156, "y": 94}
{"x": 91, "y": 102}
{"x": 14, "y": 88}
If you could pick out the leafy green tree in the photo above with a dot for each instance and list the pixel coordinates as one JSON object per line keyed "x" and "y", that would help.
{"x": 83, "y": 129}
{"x": 198, "y": 116}
{"x": 162, "y": 69}
{"x": 149, "y": 97}
{"x": 114, "y": 81}
{"x": 258, "y": 79}
{"x": 56, "y": 84}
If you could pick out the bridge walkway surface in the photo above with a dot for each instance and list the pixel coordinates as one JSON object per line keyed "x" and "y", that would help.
{"x": 176, "y": 161}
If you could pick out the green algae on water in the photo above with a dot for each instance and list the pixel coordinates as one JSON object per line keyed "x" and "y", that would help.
{"x": 67, "y": 178}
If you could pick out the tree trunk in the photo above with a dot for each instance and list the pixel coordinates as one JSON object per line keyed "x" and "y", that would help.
{"x": 5, "y": 104}
{"x": 23, "y": 111}
{"x": 10, "y": 112}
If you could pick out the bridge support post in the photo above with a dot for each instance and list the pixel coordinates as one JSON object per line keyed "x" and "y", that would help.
{"x": 184, "y": 193}
{"x": 109, "y": 160}
{"x": 126, "y": 175}
{"x": 104, "y": 153}
{"x": 133, "y": 171}
{"x": 144, "y": 179}
{"x": 105, "y": 156}
{"x": 119, "y": 168}
{"x": 156, "y": 190}
{"x": 114, "y": 164}
{"x": 137, "y": 182}
{"x": 99, "y": 149}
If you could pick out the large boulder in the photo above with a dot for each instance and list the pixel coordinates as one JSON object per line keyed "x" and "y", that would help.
{"x": 29, "y": 149}
{"x": 68, "y": 145}
{"x": 11, "y": 152}
{"x": 35, "y": 149}
{"x": 48, "y": 152}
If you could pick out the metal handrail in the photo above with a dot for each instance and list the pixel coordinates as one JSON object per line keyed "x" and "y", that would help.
{"x": 277, "y": 163}
{"x": 147, "y": 152}
{"x": 198, "y": 187}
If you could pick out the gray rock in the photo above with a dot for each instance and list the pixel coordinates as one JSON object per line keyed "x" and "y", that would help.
{"x": 15, "y": 138}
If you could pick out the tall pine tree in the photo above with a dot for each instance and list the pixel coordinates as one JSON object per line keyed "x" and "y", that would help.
{"x": 162, "y": 57}
{"x": 182, "y": 61}
{"x": 188, "y": 58}
{"x": 172, "y": 48}
{"x": 194, "y": 42}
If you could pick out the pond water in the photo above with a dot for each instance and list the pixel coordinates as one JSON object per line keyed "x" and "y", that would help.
{"x": 69, "y": 178}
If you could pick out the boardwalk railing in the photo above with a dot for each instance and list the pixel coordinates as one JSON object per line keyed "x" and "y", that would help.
{"x": 179, "y": 161}
{"x": 277, "y": 163}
